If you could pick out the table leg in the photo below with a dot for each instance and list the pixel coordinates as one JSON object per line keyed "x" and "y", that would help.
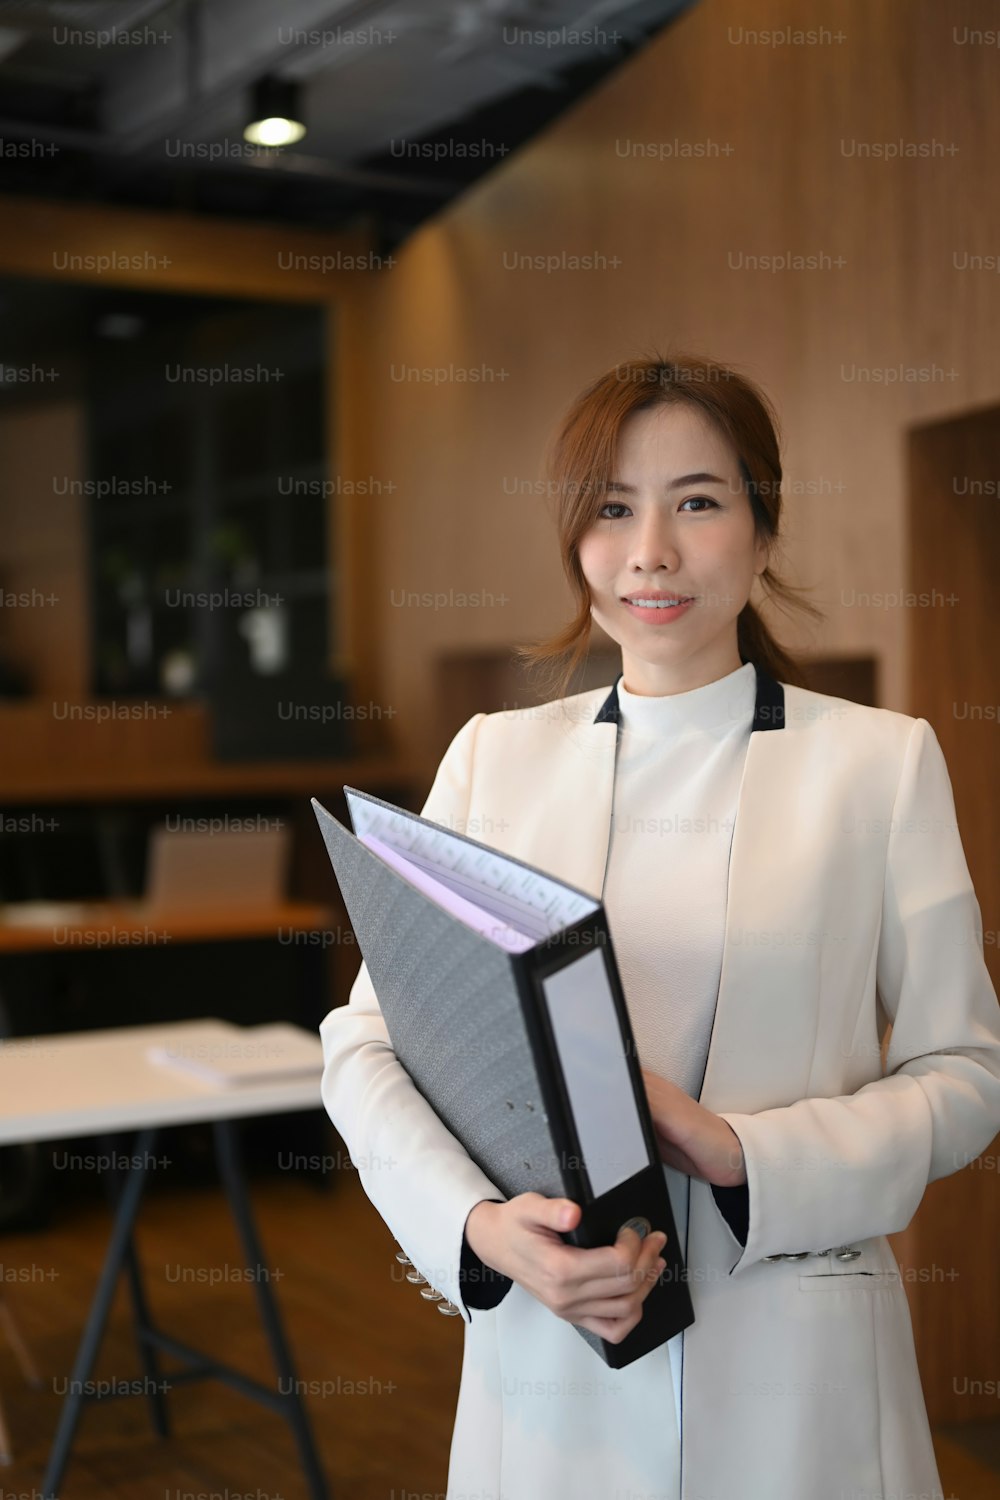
{"x": 231, "y": 1172}
{"x": 141, "y": 1320}
{"x": 121, "y": 1235}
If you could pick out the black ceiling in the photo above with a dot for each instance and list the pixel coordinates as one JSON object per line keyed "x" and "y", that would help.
{"x": 141, "y": 103}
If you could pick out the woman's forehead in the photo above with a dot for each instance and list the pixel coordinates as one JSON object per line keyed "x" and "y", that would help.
{"x": 673, "y": 440}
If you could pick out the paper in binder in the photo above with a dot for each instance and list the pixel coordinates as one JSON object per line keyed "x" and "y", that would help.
{"x": 503, "y": 1001}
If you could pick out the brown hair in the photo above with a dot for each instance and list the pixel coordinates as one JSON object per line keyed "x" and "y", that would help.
{"x": 579, "y": 466}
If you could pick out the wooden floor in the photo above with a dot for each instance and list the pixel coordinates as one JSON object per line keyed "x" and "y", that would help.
{"x": 381, "y": 1365}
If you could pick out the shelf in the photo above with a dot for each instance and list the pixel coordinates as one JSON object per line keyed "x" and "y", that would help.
{"x": 142, "y": 924}
{"x": 163, "y": 752}
{"x": 267, "y": 778}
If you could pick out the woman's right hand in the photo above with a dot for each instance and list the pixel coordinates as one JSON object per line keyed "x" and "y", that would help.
{"x": 601, "y": 1289}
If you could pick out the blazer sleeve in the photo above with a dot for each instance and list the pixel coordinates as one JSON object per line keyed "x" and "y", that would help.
{"x": 872, "y": 1153}
{"x": 418, "y": 1175}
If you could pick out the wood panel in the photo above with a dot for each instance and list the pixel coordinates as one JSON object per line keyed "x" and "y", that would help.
{"x": 114, "y": 751}
{"x": 103, "y": 924}
{"x": 703, "y": 150}
{"x": 43, "y": 583}
{"x": 162, "y": 252}
{"x": 954, "y": 532}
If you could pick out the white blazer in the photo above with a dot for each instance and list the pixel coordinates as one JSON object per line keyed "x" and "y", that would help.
{"x": 849, "y": 906}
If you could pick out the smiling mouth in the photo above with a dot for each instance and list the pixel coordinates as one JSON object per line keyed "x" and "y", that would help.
{"x": 667, "y": 601}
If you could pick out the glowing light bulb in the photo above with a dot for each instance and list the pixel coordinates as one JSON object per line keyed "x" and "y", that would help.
{"x": 275, "y": 130}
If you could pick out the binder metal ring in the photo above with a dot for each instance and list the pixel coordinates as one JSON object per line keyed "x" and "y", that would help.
{"x": 641, "y": 1226}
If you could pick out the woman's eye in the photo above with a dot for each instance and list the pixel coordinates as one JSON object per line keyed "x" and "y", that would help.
{"x": 701, "y": 501}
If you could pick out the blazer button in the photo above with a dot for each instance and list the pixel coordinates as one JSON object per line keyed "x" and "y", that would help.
{"x": 403, "y": 1258}
{"x": 416, "y": 1278}
{"x": 846, "y": 1252}
{"x": 430, "y": 1294}
{"x": 798, "y": 1255}
{"x": 448, "y": 1308}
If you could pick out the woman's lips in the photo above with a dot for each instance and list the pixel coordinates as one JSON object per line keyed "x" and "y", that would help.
{"x": 658, "y": 614}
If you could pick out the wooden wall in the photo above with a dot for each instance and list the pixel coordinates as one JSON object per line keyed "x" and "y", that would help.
{"x": 43, "y": 547}
{"x": 786, "y": 123}
{"x": 953, "y": 543}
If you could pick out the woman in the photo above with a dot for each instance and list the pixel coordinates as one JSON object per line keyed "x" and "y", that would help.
{"x": 784, "y": 879}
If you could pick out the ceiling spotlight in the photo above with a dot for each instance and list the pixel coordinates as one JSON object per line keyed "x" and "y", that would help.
{"x": 275, "y": 113}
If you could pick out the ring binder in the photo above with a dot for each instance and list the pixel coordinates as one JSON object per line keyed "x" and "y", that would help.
{"x": 503, "y": 1001}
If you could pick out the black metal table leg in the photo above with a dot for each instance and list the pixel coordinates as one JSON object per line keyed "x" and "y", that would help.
{"x": 121, "y": 1235}
{"x": 142, "y": 1324}
{"x": 231, "y": 1172}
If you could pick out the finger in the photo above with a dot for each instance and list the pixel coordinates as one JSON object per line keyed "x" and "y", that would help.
{"x": 640, "y": 1249}
{"x": 630, "y": 1250}
{"x": 619, "y": 1280}
{"x": 610, "y": 1309}
{"x": 641, "y": 1281}
{"x": 612, "y": 1268}
{"x": 556, "y": 1214}
{"x": 614, "y": 1330}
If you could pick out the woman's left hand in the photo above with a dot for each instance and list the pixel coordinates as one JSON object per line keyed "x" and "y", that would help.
{"x": 692, "y": 1138}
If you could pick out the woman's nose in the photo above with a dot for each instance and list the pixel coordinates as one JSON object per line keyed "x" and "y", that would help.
{"x": 654, "y": 546}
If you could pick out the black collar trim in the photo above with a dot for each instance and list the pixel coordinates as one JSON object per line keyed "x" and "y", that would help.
{"x": 768, "y": 713}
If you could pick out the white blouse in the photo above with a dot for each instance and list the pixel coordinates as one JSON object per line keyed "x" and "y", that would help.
{"x": 677, "y": 777}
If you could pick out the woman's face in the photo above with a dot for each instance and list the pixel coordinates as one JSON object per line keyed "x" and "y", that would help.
{"x": 677, "y": 523}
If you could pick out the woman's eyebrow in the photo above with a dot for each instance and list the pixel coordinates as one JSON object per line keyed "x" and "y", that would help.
{"x": 675, "y": 484}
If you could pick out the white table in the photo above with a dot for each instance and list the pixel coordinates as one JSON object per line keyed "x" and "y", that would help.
{"x": 100, "y": 1083}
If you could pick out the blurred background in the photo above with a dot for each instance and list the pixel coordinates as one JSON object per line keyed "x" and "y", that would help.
{"x": 291, "y": 298}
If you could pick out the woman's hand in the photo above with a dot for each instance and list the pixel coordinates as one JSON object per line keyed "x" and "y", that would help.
{"x": 601, "y": 1289}
{"x": 692, "y": 1138}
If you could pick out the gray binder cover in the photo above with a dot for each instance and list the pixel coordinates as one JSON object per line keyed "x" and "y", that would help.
{"x": 502, "y": 999}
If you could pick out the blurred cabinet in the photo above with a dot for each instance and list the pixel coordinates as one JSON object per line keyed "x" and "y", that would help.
{"x": 207, "y": 463}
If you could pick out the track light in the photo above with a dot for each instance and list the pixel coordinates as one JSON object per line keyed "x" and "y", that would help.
{"x": 275, "y": 113}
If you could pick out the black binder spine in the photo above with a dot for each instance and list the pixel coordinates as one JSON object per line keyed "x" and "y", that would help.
{"x": 667, "y": 1308}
